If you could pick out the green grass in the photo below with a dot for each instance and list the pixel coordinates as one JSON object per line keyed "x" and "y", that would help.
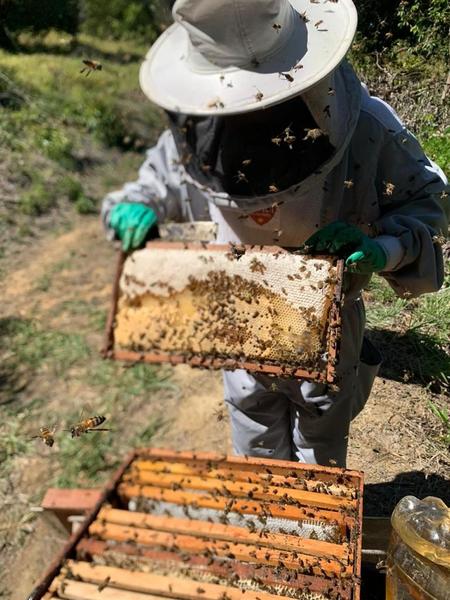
{"x": 108, "y": 388}
{"x": 437, "y": 147}
{"x": 413, "y": 335}
{"x": 443, "y": 416}
{"x": 60, "y": 128}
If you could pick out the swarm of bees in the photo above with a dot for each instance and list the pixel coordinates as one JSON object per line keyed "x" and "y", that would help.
{"x": 47, "y": 435}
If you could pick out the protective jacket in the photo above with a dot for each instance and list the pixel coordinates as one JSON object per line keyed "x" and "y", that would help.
{"x": 378, "y": 178}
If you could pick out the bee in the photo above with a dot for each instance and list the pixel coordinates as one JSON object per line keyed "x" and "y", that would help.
{"x": 288, "y": 137}
{"x": 297, "y": 66}
{"x": 86, "y": 425}
{"x": 331, "y": 91}
{"x": 246, "y": 162}
{"x": 313, "y": 134}
{"x": 103, "y": 584}
{"x": 287, "y": 76}
{"x": 259, "y": 96}
{"x": 241, "y": 177}
{"x": 303, "y": 16}
{"x": 219, "y": 414}
{"x": 326, "y": 110}
{"x": 348, "y": 184}
{"x": 317, "y": 25}
{"x": 90, "y": 66}
{"x": 276, "y": 140}
{"x": 277, "y": 27}
{"x": 273, "y": 189}
{"x": 46, "y": 435}
{"x": 389, "y": 189}
{"x": 215, "y": 103}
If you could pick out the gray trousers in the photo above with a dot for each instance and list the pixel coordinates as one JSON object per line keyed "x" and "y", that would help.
{"x": 298, "y": 420}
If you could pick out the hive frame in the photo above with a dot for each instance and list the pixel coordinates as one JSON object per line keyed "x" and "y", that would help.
{"x": 327, "y": 375}
{"x": 81, "y": 547}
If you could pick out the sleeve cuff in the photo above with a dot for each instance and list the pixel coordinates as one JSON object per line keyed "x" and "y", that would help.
{"x": 393, "y": 249}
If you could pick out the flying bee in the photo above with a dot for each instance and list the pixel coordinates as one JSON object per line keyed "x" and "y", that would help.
{"x": 289, "y": 139}
{"x": 348, "y": 184}
{"x": 86, "y": 425}
{"x": 46, "y": 435}
{"x": 273, "y": 188}
{"x": 317, "y": 25}
{"x": 313, "y": 134}
{"x": 276, "y": 140}
{"x": 91, "y": 66}
{"x": 246, "y": 162}
{"x": 241, "y": 177}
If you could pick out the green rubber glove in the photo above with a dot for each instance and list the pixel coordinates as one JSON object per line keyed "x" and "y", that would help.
{"x": 362, "y": 254}
{"x": 131, "y": 222}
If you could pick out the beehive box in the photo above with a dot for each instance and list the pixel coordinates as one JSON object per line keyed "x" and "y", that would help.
{"x": 259, "y": 308}
{"x": 188, "y": 526}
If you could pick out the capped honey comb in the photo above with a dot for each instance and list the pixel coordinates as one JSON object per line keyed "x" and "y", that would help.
{"x": 259, "y": 308}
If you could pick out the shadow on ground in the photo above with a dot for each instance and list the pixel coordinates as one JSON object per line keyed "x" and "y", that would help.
{"x": 412, "y": 357}
{"x": 381, "y": 498}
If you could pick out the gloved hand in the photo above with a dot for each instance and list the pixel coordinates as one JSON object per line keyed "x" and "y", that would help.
{"x": 131, "y": 222}
{"x": 363, "y": 254}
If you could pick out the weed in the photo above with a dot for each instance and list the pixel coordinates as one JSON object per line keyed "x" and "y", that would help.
{"x": 70, "y": 187}
{"x": 36, "y": 200}
{"x": 56, "y": 144}
{"x": 85, "y": 205}
{"x": 443, "y": 415}
{"x": 437, "y": 146}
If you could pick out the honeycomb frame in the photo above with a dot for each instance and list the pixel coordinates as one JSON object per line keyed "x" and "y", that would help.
{"x": 312, "y": 367}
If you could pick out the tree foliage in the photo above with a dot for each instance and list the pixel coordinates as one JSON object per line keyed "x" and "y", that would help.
{"x": 122, "y": 19}
{"x": 36, "y": 16}
{"x": 422, "y": 24}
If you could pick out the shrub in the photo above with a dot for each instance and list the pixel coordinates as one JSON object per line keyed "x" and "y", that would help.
{"x": 426, "y": 22}
{"x": 37, "y": 200}
{"x": 36, "y": 16}
{"x": 135, "y": 19}
{"x": 423, "y": 24}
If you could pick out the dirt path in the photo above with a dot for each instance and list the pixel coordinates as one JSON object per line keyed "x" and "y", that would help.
{"x": 391, "y": 440}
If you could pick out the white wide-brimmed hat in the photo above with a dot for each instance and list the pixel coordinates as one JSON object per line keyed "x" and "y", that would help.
{"x": 235, "y": 56}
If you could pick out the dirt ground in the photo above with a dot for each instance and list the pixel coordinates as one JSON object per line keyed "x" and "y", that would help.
{"x": 392, "y": 440}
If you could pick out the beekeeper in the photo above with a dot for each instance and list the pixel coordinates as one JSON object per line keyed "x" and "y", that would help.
{"x": 274, "y": 138}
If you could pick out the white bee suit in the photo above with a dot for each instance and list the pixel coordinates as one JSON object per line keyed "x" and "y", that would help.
{"x": 378, "y": 179}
